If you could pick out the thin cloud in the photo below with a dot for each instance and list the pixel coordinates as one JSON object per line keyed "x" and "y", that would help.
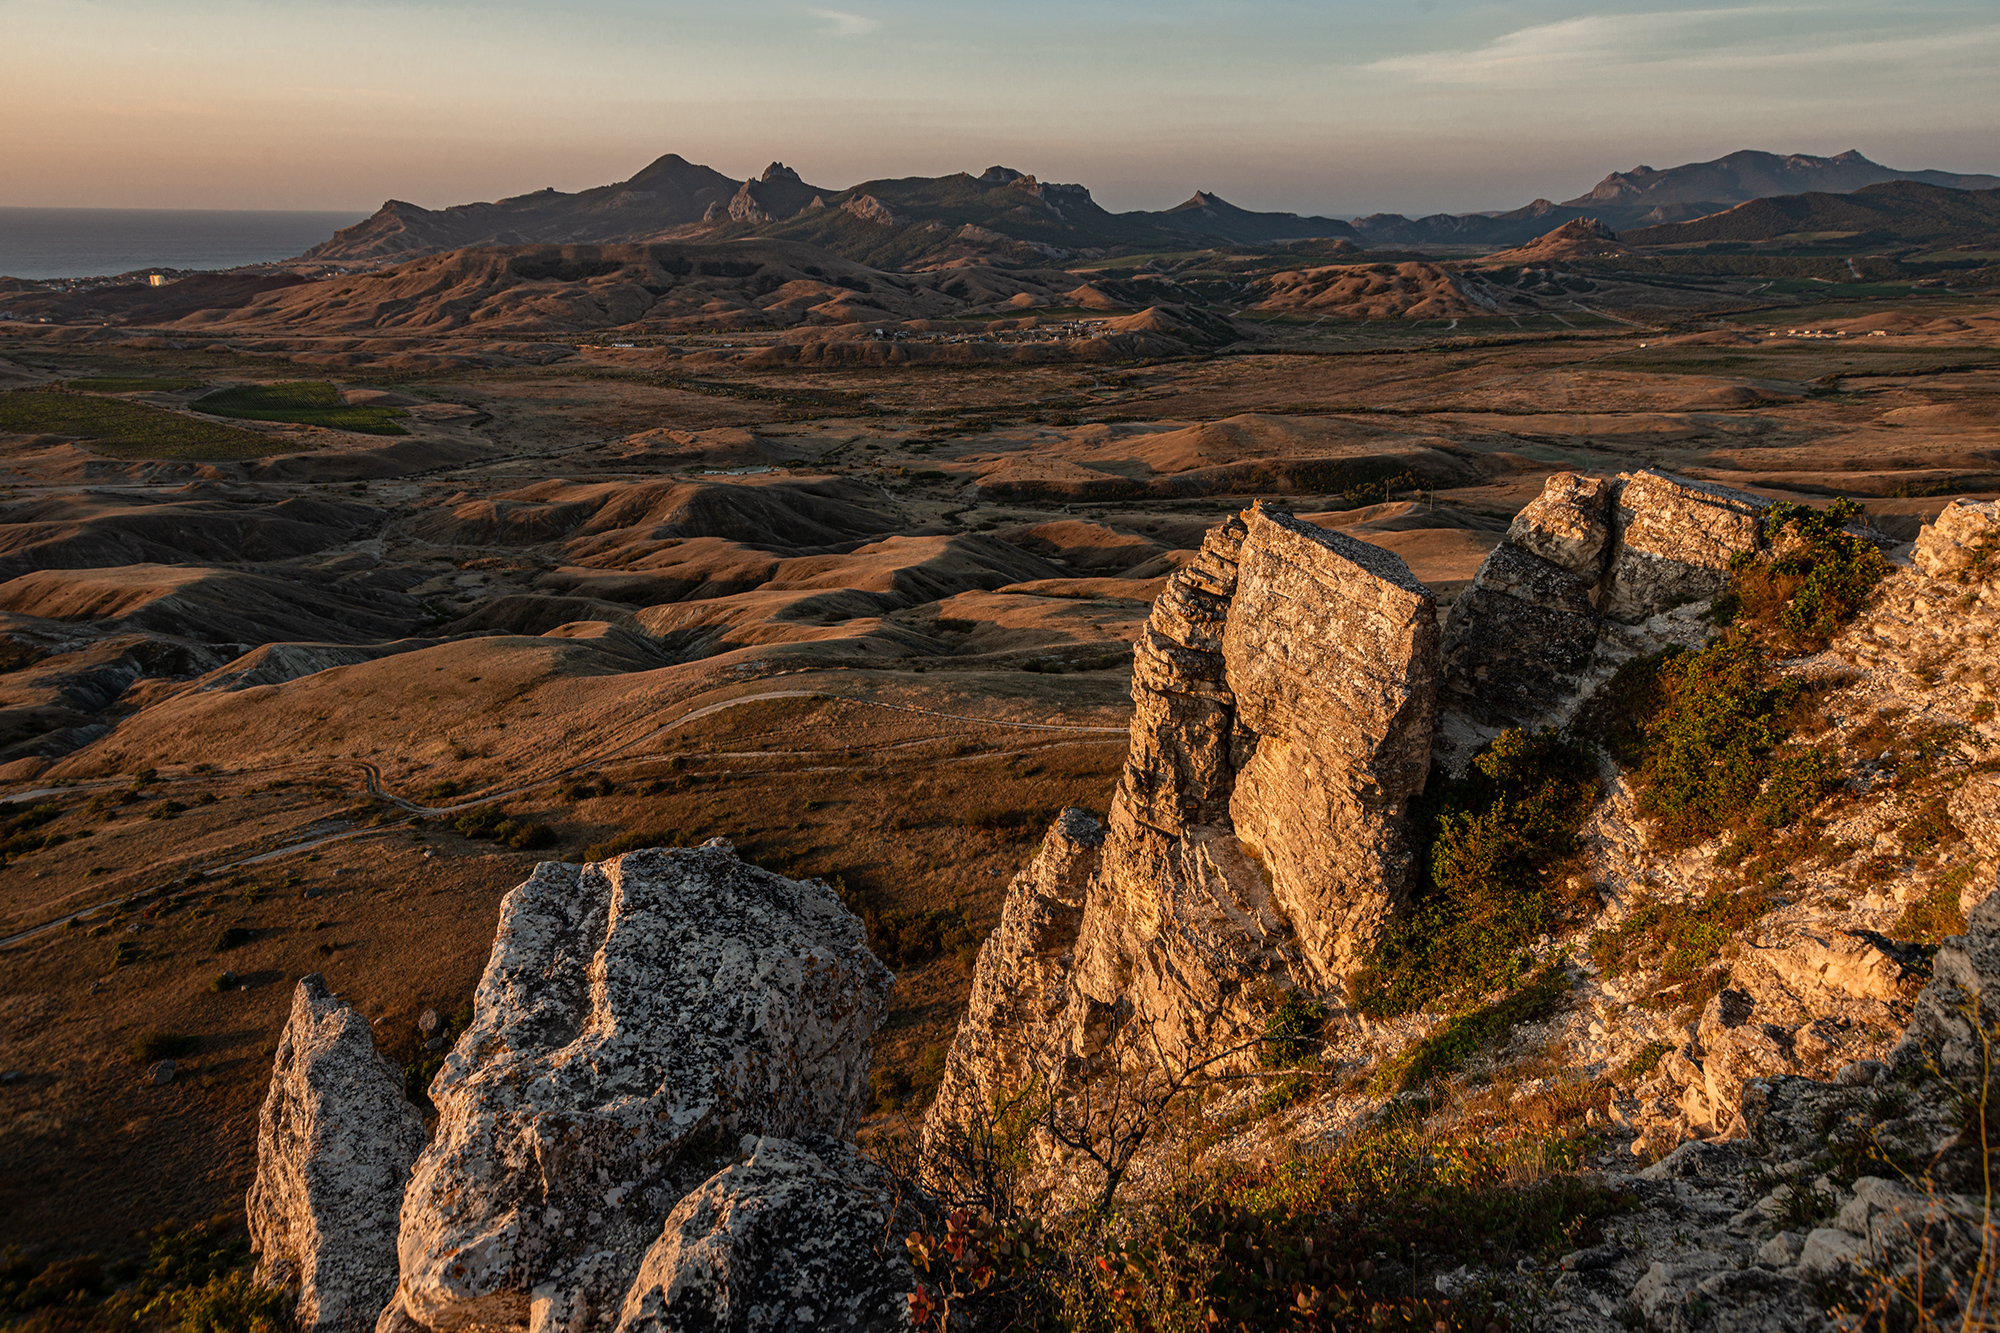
{"x": 1590, "y": 42}
{"x": 842, "y": 24}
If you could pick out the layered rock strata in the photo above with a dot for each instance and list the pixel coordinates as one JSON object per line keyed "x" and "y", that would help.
{"x": 334, "y": 1146}
{"x": 1284, "y": 696}
{"x": 1589, "y": 554}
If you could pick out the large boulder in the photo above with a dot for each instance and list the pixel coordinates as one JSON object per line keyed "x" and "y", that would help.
{"x": 635, "y": 1020}
{"x": 334, "y": 1146}
{"x": 801, "y": 1235}
{"x": 1672, "y": 542}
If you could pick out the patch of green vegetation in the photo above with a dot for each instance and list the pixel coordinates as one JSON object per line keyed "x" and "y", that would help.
{"x": 1938, "y": 913}
{"x": 1681, "y": 938}
{"x": 18, "y": 827}
{"x": 302, "y": 402}
{"x": 1303, "y": 1245}
{"x": 233, "y": 1303}
{"x": 632, "y": 842}
{"x": 902, "y": 938}
{"x": 1645, "y": 1062}
{"x": 126, "y": 429}
{"x": 490, "y": 821}
{"x": 1462, "y": 1036}
{"x": 230, "y": 937}
{"x": 158, "y": 1045}
{"x": 1708, "y": 731}
{"x": 1496, "y": 844}
{"x": 1817, "y": 577}
{"x": 131, "y": 384}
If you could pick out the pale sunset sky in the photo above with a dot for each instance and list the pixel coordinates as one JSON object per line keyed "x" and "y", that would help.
{"x": 1338, "y": 107}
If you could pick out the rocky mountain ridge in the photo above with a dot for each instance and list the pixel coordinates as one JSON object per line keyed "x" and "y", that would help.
{"x": 918, "y": 222}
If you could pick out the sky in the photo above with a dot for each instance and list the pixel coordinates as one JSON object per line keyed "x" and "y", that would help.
{"x": 1337, "y": 107}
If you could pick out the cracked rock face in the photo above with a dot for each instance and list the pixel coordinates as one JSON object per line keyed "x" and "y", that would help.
{"x": 635, "y": 1019}
{"x": 1521, "y": 643}
{"x": 801, "y": 1235}
{"x": 1021, "y": 984}
{"x": 334, "y": 1146}
{"x": 1962, "y": 542}
{"x": 1284, "y": 697}
{"x": 1672, "y": 542}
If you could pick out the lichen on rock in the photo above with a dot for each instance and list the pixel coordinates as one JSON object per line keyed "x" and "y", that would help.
{"x": 637, "y": 1017}
{"x": 335, "y": 1142}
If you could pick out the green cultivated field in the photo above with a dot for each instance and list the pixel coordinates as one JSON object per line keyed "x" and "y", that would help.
{"x": 129, "y": 430}
{"x": 304, "y": 402}
{"x": 132, "y": 384}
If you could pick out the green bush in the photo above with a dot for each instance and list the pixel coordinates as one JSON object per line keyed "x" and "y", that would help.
{"x": 17, "y": 828}
{"x": 1817, "y": 577}
{"x": 229, "y": 938}
{"x": 234, "y": 1303}
{"x": 901, "y": 939}
{"x": 1494, "y": 844}
{"x": 157, "y": 1045}
{"x": 1709, "y": 731}
{"x": 1682, "y": 939}
{"x": 631, "y": 842}
{"x": 1292, "y": 1033}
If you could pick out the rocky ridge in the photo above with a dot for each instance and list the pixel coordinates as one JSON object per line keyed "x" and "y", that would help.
{"x": 1822, "y": 1005}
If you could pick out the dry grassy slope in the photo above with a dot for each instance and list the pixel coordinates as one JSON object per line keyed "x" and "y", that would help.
{"x": 515, "y": 290}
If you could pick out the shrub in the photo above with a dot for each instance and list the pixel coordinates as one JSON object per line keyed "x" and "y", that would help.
{"x": 167, "y": 810}
{"x": 1303, "y": 1245}
{"x": 1937, "y": 914}
{"x": 903, "y": 938}
{"x": 231, "y": 1304}
{"x": 229, "y": 938}
{"x": 1292, "y": 1033}
{"x": 1681, "y": 938}
{"x": 1495, "y": 841}
{"x": 1710, "y": 745}
{"x": 630, "y": 842}
{"x": 1817, "y": 577}
{"x": 17, "y": 828}
{"x": 157, "y": 1045}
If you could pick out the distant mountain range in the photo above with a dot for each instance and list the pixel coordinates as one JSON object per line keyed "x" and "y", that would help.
{"x": 927, "y": 222}
{"x": 1895, "y": 212}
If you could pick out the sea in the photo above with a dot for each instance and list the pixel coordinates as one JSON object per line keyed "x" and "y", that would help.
{"x": 101, "y": 242}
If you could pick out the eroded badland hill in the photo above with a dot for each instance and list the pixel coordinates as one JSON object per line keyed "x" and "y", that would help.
{"x": 329, "y": 615}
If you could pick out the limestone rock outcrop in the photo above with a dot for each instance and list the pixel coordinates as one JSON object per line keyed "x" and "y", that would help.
{"x": 1672, "y": 541}
{"x": 1284, "y": 695}
{"x": 335, "y": 1142}
{"x": 1020, "y": 985}
{"x": 1521, "y": 642}
{"x": 800, "y": 1235}
{"x": 636, "y": 1019}
{"x": 1962, "y": 542}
